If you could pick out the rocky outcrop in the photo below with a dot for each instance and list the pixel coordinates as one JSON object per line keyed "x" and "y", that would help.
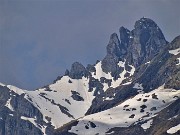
{"x": 146, "y": 41}
{"x": 14, "y": 120}
{"x": 114, "y": 52}
{"x": 161, "y": 70}
{"x": 137, "y": 47}
{"x": 77, "y": 71}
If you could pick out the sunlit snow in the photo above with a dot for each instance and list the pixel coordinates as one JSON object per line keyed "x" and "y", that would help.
{"x": 8, "y": 104}
{"x": 173, "y": 129}
{"x": 175, "y": 52}
{"x": 147, "y": 124}
{"x": 132, "y": 110}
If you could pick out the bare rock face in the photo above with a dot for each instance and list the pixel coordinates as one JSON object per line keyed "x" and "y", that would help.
{"x": 11, "y": 122}
{"x": 124, "y": 37}
{"x": 109, "y": 63}
{"x": 146, "y": 41}
{"x": 138, "y": 46}
{"x": 77, "y": 71}
{"x": 113, "y": 46}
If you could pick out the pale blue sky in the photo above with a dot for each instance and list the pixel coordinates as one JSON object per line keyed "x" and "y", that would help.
{"x": 39, "y": 39}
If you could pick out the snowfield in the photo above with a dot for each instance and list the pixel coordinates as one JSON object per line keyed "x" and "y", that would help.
{"x": 141, "y": 108}
{"x": 57, "y": 102}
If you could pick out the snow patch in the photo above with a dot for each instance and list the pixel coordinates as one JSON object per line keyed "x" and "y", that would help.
{"x": 147, "y": 63}
{"x": 16, "y": 89}
{"x": 132, "y": 70}
{"x": 130, "y": 36}
{"x": 2, "y": 84}
{"x": 112, "y": 132}
{"x": 175, "y": 51}
{"x": 32, "y": 120}
{"x": 43, "y": 129}
{"x": 173, "y": 130}
{"x": 117, "y": 82}
{"x": 8, "y": 104}
{"x": 173, "y": 117}
{"x": 147, "y": 125}
{"x": 114, "y": 83}
{"x": 127, "y": 83}
{"x": 178, "y": 61}
{"x": 99, "y": 72}
{"x": 139, "y": 87}
{"x": 11, "y": 114}
{"x": 108, "y": 98}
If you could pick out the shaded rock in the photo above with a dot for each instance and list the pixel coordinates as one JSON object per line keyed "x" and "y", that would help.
{"x": 78, "y": 71}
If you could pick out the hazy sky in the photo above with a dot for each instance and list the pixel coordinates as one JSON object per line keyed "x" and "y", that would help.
{"x": 40, "y": 39}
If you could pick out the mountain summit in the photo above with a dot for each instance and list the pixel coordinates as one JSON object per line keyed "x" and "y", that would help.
{"x": 134, "y": 89}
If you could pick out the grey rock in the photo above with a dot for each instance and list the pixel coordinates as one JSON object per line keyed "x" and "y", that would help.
{"x": 13, "y": 124}
{"x": 124, "y": 38}
{"x": 78, "y": 71}
{"x": 76, "y": 96}
{"x": 109, "y": 63}
{"x": 146, "y": 42}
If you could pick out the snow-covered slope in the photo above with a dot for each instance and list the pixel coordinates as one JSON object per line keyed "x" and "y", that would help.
{"x": 114, "y": 83}
{"x": 139, "y": 109}
{"x": 59, "y": 102}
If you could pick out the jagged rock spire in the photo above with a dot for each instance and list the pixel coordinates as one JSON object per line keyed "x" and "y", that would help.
{"x": 113, "y": 46}
{"x": 137, "y": 46}
{"x": 109, "y": 63}
{"x": 124, "y": 37}
{"x": 146, "y": 41}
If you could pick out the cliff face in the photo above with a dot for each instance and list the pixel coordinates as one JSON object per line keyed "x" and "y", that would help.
{"x": 130, "y": 91}
{"x": 17, "y": 114}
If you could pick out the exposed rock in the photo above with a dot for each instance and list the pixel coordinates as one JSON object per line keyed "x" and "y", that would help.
{"x": 78, "y": 71}
{"x": 109, "y": 63}
{"x": 146, "y": 42}
{"x": 76, "y": 96}
{"x": 124, "y": 38}
{"x": 13, "y": 124}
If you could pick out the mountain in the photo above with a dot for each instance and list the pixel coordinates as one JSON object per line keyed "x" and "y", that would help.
{"x": 135, "y": 89}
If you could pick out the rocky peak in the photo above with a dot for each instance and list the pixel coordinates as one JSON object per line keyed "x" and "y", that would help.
{"x": 113, "y": 46}
{"x": 146, "y": 41}
{"x": 77, "y": 71}
{"x": 145, "y": 23}
{"x": 147, "y": 27}
{"x": 116, "y": 47}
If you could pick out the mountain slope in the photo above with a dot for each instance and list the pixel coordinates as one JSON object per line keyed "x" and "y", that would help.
{"x": 128, "y": 91}
{"x": 139, "y": 109}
